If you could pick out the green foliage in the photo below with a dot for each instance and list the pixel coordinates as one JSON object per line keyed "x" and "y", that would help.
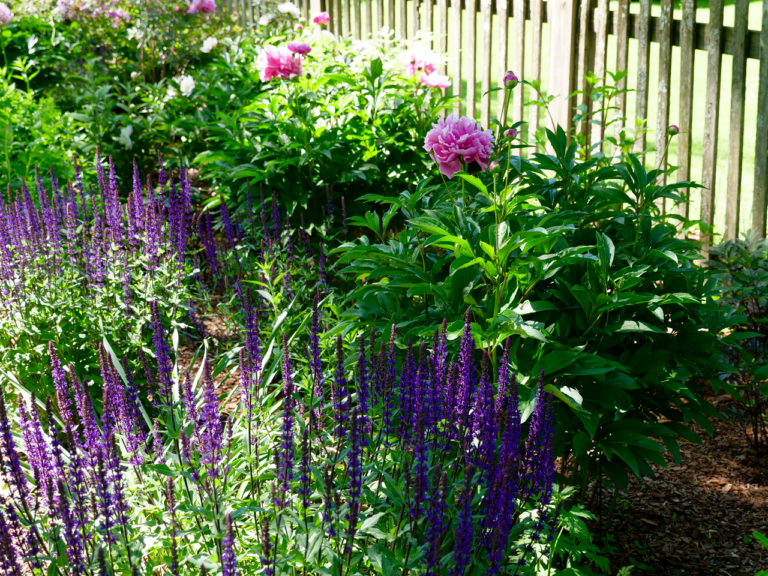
{"x": 574, "y": 258}
{"x": 743, "y": 264}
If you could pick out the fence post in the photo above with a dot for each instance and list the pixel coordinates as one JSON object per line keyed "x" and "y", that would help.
{"x": 761, "y": 139}
{"x": 687, "y": 56}
{"x": 562, "y": 53}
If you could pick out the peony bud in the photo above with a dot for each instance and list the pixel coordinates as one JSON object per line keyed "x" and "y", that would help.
{"x": 494, "y": 167}
{"x": 673, "y": 130}
{"x": 510, "y": 80}
{"x": 511, "y": 133}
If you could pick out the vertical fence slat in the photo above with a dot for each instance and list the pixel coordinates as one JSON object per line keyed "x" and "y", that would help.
{"x": 358, "y": 23}
{"x": 601, "y": 54}
{"x": 584, "y": 65}
{"x": 562, "y": 36}
{"x": 761, "y": 139}
{"x": 391, "y": 16}
{"x": 501, "y": 12}
{"x": 518, "y": 93}
{"x": 687, "y": 55}
{"x": 457, "y": 39}
{"x": 736, "y": 131}
{"x": 643, "y": 61}
{"x": 485, "y": 101}
{"x": 368, "y": 19}
{"x": 304, "y": 11}
{"x": 709, "y": 155}
{"x": 346, "y": 18}
{"x": 415, "y": 4}
{"x": 472, "y": 57}
{"x": 442, "y": 31}
{"x": 665, "y": 73}
{"x": 429, "y": 20}
{"x": 622, "y": 61}
{"x": 536, "y": 24}
{"x": 403, "y": 28}
{"x": 379, "y": 18}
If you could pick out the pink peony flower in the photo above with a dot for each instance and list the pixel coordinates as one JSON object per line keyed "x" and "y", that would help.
{"x": 299, "y": 47}
{"x": 6, "y": 16}
{"x": 452, "y": 140}
{"x": 419, "y": 59}
{"x": 435, "y": 80}
{"x": 323, "y": 18}
{"x": 274, "y": 62}
{"x": 510, "y": 80}
{"x": 205, "y": 6}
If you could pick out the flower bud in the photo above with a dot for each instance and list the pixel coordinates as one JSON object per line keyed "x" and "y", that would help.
{"x": 298, "y": 28}
{"x": 494, "y": 167}
{"x": 673, "y": 130}
{"x": 511, "y": 133}
{"x": 510, "y": 80}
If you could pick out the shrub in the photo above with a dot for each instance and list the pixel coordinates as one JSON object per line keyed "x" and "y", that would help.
{"x": 743, "y": 264}
{"x": 574, "y": 258}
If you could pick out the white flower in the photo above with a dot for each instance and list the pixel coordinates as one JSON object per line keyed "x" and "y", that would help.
{"x": 209, "y": 44}
{"x": 266, "y": 19}
{"x": 186, "y": 84}
{"x": 134, "y": 75}
{"x": 125, "y": 137}
{"x": 289, "y": 8}
{"x": 172, "y": 93}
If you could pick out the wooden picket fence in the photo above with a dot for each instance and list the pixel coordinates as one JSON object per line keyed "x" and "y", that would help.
{"x": 579, "y": 31}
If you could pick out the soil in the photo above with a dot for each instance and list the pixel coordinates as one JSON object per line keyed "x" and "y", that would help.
{"x": 696, "y": 518}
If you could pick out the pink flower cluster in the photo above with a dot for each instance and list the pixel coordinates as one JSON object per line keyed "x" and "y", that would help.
{"x": 435, "y": 80}
{"x": 322, "y": 18}
{"x": 6, "y": 16}
{"x": 277, "y": 62}
{"x": 299, "y": 47}
{"x": 453, "y": 139}
{"x": 204, "y": 6}
{"x": 419, "y": 59}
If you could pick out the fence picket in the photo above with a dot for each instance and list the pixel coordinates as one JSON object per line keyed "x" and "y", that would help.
{"x": 391, "y": 16}
{"x": 442, "y": 34}
{"x": 429, "y": 19}
{"x": 501, "y": 11}
{"x": 518, "y": 94}
{"x": 643, "y": 62}
{"x": 402, "y": 29}
{"x": 537, "y": 9}
{"x": 415, "y": 4}
{"x": 471, "y": 73}
{"x": 562, "y": 40}
{"x": 714, "y": 61}
{"x": 379, "y": 18}
{"x": 457, "y": 37}
{"x": 346, "y": 18}
{"x": 358, "y": 22}
{"x": 368, "y": 19}
{"x": 621, "y": 27}
{"x": 584, "y": 65}
{"x": 601, "y": 53}
{"x": 761, "y": 139}
{"x": 665, "y": 73}
{"x": 736, "y": 131}
{"x": 687, "y": 55}
{"x": 485, "y": 100}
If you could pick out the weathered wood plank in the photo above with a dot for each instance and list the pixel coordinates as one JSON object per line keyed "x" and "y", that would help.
{"x": 537, "y": 10}
{"x": 761, "y": 139}
{"x": 472, "y": 57}
{"x": 368, "y": 22}
{"x": 358, "y": 22}
{"x": 456, "y": 14}
{"x": 685, "y": 121}
{"x": 346, "y": 28}
{"x": 485, "y": 79}
{"x": 665, "y": 73}
{"x": 736, "y": 131}
{"x": 415, "y": 5}
{"x": 442, "y": 31}
{"x": 643, "y": 62}
{"x": 518, "y": 94}
{"x": 622, "y": 61}
{"x": 562, "y": 29}
{"x": 501, "y": 10}
{"x": 402, "y": 28}
{"x": 583, "y": 65}
{"x": 601, "y": 55}
{"x": 711, "y": 114}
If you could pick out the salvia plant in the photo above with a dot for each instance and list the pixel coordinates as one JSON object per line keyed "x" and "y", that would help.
{"x": 347, "y": 459}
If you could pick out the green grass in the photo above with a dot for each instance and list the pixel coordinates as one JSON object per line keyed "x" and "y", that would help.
{"x": 700, "y": 78}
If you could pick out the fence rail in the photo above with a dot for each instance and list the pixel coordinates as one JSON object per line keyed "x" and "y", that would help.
{"x": 579, "y": 31}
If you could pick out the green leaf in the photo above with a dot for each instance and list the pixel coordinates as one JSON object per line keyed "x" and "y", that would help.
{"x": 474, "y": 181}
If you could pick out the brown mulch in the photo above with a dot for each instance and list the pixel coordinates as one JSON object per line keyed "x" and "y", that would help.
{"x": 696, "y": 518}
